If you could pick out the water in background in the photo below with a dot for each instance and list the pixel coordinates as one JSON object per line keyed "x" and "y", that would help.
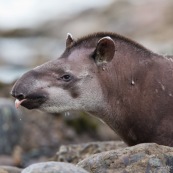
{"x": 33, "y": 31}
{"x": 26, "y": 37}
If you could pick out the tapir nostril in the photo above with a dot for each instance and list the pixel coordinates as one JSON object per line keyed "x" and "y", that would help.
{"x": 20, "y": 96}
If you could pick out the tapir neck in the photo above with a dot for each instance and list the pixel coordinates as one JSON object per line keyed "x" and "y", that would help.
{"x": 122, "y": 81}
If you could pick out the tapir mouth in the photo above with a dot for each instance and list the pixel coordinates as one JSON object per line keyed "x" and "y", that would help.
{"x": 30, "y": 102}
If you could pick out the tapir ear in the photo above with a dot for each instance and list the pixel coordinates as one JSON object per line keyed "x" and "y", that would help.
{"x": 69, "y": 40}
{"x": 105, "y": 50}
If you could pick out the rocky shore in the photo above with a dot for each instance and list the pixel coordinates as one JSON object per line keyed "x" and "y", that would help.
{"x": 142, "y": 158}
{"x": 36, "y": 142}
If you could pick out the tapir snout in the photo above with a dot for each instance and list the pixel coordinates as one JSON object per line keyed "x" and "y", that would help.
{"x": 27, "y": 93}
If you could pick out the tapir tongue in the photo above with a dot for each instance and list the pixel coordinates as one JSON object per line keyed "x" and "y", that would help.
{"x": 18, "y": 103}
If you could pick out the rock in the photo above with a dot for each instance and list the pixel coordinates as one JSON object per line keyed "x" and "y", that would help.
{"x": 143, "y": 158}
{"x": 9, "y": 169}
{"x": 10, "y": 126}
{"x": 75, "y": 153}
{"x": 53, "y": 167}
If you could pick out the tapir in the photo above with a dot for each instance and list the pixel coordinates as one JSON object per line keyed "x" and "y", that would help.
{"x": 111, "y": 77}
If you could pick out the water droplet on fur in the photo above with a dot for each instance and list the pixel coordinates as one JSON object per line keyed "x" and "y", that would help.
{"x": 133, "y": 82}
{"x": 163, "y": 87}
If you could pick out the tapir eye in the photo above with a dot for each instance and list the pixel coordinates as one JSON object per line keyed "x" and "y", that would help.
{"x": 66, "y": 77}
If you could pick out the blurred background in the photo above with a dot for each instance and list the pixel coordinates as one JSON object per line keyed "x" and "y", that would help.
{"x": 33, "y": 32}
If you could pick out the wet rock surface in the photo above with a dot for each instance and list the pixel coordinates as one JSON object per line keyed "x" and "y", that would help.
{"x": 76, "y": 153}
{"x": 53, "y": 167}
{"x": 143, "y": 158}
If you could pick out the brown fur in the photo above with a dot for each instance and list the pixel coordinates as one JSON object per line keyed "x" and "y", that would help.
{"x": 87, "y": 39}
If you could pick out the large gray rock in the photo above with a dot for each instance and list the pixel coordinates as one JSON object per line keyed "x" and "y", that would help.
{"x": 53, "y": 167}
{"x": 78, "y": 152}
{"x": 142, "y": 158}
{"x": 10, "y": 126}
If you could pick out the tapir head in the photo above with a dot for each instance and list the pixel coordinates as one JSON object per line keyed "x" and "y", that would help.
{"x": 70, "y": 82}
